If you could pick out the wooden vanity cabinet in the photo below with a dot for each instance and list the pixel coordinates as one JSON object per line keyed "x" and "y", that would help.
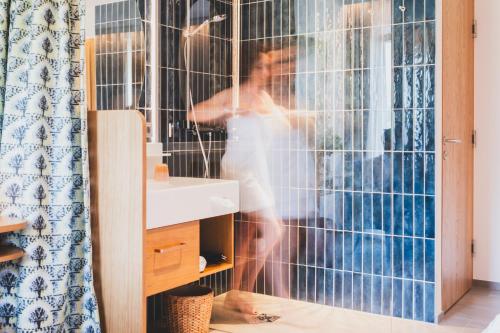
{"x": 130, "y": 261}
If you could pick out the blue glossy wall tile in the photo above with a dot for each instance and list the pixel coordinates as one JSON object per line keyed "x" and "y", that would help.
{"x": 329, "y": 287}
{"x": 408, "y": 215}
{"x": 397, "y": 38}
{"x": 338, "y": 292}
{"x": 311, "y": 284}
{"x": 367, "y": 212}
{"x": 347, "y": 293}
{"x": 348, "y": 213}
{"x": 418, "y": 42}
{"x": 358, "y": 212}
{"x": 320, "y": 248}
{"x": 430, "y": 229}
{"x": 408, "y": 128}
{"x": 377, "y": 294}
{"x": 397, "y": 257}
{"x": 419, "y": 255}
{"x": 303, "y": 287}
{"x": 408, "y": 12}
{"x": 368, "y": 172}
{"x": 408, "y": 172}
{"x": 419, "y": 216}
{"x": 320, "y": 286}
{"x": 367, "y": 253}
{"x": 419, "y": 173}
{"x": 419, "y": 10}
{"x": 419, "y": 87}
{"x": 408, "y": 258}
{"x": 418, "y": 296}
{"x": 429, "y": 130}
{"x": 397, "y": 183}
{"x": 430, "y": 48}
{"x": 387, "y": 296}
{"x": 339, "y": 250}
{"x": 348, "y": 251}
{"x": 367, "y": 292}
{"x": 408, "y": 44}
{"x": 429, "y": 260}
{"x": 398, "y": 214}
{"x": 387, "y": 174}
{"x": 357, "y": 291}
{"x": 398, "y": 130}
{"x": 408, "y": 299}
{"x": 387, "y": 213}
{"x": 397, "y": 13}
{"x": 429, "y": 302}
{"x": 398, "y": 88}
{"x": 429, "y": 86}
{"x": 430, "y": 9}
{"x": 429, "y": 173}
{"x": 311, "y": 247}
{"x": 387, "y": 256}
{"x": 377, "y": 212}
{"x": 377, "y": 175}
{"x": 377, "y": 254}
{"x": 329, "y": 249}
{"x": 397, "y": 297}
{"x": 358, "y": 252}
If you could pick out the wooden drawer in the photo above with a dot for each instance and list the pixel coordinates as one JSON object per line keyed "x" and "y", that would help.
{"x": 171, "y": 257}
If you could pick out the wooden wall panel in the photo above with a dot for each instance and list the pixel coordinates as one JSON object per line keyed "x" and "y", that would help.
{"x": 458, "y": 150}
{"x": 117, "y": 142}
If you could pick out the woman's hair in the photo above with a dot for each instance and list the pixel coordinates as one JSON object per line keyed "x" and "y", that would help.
{"x": 251, "y": 50}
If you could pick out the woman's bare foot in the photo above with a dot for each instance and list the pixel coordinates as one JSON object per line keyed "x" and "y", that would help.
{"x": 237, "y": 301}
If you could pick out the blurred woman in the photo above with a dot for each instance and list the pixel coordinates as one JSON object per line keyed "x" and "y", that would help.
{"x": 253, "y": 130}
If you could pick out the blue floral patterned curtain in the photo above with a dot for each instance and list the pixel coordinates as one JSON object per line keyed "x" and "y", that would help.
{"x": 44, "y": 168}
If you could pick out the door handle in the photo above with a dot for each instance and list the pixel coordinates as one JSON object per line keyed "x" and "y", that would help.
{"x": 455, "y": 141}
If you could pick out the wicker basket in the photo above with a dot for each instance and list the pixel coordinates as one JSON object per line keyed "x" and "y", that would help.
{"x": 188, "y": 309}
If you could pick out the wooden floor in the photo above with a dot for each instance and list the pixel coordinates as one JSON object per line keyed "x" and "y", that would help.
{"x": 471, "y": 315}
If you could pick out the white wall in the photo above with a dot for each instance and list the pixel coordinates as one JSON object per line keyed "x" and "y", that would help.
{"x": 487, "y": 159}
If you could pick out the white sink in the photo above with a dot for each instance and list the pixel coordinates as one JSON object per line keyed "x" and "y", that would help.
{"x": 180, "y": 200}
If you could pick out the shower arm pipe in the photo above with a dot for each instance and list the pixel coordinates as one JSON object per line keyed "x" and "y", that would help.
{"x": 236, "y": 19}
{"x": 187, "y": 64}
{"x": 154, "y": 49}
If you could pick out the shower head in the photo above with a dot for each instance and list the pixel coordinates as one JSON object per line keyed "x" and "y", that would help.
{"x": 215, "y": 19}
{"x": 218, "y": 18}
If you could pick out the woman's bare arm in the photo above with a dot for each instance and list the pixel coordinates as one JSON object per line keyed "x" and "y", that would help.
{"x": 214, "y": 109}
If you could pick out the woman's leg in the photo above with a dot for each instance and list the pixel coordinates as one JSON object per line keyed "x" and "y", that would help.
{"x": 270, "y": 232}
{"x": 255, "y": 243}
{"x": 245, "y": 234}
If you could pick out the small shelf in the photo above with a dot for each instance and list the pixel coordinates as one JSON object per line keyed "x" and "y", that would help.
{"x": 8, "y": 253}
{"x": 217, "y": 236}
{"x": 8, "y": 224}
{"x": 212, "y": 269}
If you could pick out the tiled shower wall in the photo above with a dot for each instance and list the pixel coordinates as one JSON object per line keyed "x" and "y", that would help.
{"x": 210, "y": 73}
{"x": 365, "y": 71}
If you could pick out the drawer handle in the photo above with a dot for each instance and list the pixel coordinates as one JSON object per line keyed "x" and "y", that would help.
{"x": 170, "y": 248}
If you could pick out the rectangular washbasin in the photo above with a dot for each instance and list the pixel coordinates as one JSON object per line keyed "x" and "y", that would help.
{"x": 180, "y": 200}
